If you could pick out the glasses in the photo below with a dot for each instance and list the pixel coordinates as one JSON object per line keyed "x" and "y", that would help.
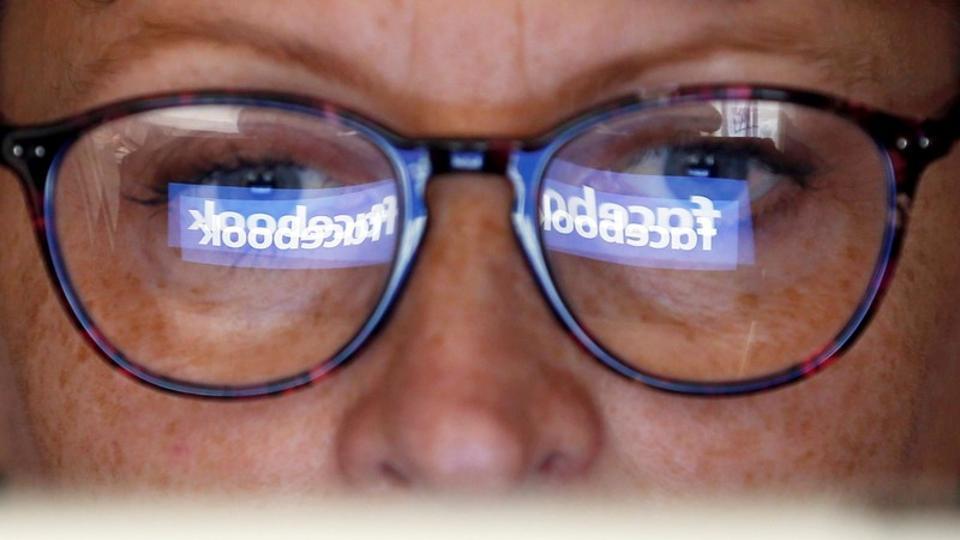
{"x": 704, "y": 240}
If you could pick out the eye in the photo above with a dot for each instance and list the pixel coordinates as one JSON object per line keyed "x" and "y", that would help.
{"x": 755, "y": 160}
{"x": 148, "y": 173}
{"x": 264, "y": 177}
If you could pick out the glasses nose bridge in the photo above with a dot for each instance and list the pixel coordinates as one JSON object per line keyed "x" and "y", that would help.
{"x": 475, "y": 156}
{"x": 511, "y": 159}
{"x": 516, "y": 161}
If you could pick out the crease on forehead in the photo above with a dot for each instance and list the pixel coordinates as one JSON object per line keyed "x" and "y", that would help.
{"x": 852, "y": 60}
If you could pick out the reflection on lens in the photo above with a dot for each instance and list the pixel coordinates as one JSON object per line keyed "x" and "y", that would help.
{"x": 720, "y": 255}
{"x": 226, "y": 245}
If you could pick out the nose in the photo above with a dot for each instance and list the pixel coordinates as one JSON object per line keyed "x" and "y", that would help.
{"x": 474, "y": 387}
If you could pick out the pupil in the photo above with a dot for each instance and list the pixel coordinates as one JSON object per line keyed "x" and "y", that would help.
{"x": 704, "y": 164}
{"x": 260, "y": 178}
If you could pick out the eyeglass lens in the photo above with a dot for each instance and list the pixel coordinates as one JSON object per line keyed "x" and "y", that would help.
{"x": 226, "y": 245}
{"x": 716, "y": 241}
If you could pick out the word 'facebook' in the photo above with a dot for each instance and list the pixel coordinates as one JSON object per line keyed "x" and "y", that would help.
{"x": 647, "y": 220}
{"x": 284, "y": 228}
{"x": 664, "y": 227}
{"x": 292, "y": 231}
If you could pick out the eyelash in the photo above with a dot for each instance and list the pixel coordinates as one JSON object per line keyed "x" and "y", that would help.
{"x": 773, "y": 160}
{"x": 243, "y": 173}
{"x": 213, "y": 162}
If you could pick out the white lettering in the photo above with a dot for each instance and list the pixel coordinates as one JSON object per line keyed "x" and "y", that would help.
{"x": 206, "y": 222}
{"x": 706, "y": 216}
{"x": 676, "y": 228}
{"x": 294, "y": 231}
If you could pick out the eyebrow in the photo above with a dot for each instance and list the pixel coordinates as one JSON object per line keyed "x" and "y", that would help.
{"x": 153, "y": 35}
{"x": 850, "y": 67}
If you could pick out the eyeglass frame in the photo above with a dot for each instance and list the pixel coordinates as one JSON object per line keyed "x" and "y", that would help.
{"x": 35, "y": 153}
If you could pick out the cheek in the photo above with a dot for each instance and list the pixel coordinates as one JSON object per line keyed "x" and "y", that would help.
{"x": 846, "y": 428}
{"x": 94, "y": 426}
{"x": 879, "y": 417}
{"x": 45, "y": 350}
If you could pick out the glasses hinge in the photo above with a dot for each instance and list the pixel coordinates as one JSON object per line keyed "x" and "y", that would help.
{"x": 929, "y": 144}
{"x": 31, "y": 158}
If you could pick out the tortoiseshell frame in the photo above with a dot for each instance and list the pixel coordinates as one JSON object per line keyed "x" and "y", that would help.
{"x": 909, "y": 146}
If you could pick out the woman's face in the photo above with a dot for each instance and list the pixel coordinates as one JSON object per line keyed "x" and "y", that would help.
{"x": 473, "y": 384}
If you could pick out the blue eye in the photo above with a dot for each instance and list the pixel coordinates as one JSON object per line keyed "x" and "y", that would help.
{"x": 756, "y": 161}
{"x": 738, "y": 158}
{"x": 263, "y": 178}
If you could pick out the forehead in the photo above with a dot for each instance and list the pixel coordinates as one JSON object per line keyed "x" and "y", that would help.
{"x": 423, "y": 58}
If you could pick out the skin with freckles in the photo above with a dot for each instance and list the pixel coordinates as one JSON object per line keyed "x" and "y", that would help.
{"x": 473, "y": 384}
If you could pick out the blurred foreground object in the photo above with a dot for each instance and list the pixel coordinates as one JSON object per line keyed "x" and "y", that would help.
{"x": 462, "y": 519}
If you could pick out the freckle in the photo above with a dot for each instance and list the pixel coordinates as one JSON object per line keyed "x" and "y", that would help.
{"x": 851, "y": 253}
{"x": 792, "y": 296}
{"x": 116, "y": 455}
{"x": 180, "y": 450}
{"x": 690, "y": 333}
{"x": 382, "y": 22}
{"x": 748, "y": 301}
{"x": 435, "y": 341}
